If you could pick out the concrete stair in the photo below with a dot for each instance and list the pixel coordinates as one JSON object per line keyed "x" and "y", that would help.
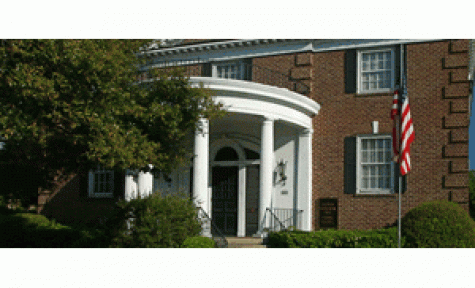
{"x": 245, "y": 242}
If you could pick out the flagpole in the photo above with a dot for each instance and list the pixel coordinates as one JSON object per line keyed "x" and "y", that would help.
{"x": 402, "y": 62}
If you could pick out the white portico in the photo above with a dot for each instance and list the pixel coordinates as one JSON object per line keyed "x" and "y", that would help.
{"x": 253, "y": 168}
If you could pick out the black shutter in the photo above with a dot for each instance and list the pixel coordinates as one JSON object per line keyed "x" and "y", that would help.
{"x": 206, "y": 70}
{"x": 350, "y": 71}
{"x": 119, "y": 184}
{"x": 247, "y": 69}
{"x": 350, "y": 165}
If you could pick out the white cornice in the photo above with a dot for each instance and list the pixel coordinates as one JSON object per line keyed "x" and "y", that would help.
{"x": 249, "y": 48}
{"x": 265, "y": 93}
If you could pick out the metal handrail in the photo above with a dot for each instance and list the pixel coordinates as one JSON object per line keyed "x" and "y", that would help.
{"x": 219, "y": 239}
{"x": 282, "y": 226}
{"x": 290, "y": 214}
{"x": 253, "y": 73}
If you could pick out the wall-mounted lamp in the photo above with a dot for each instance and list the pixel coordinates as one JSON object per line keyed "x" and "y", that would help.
{"x": 375, "y": 125}
{"x": 281, "y": 167}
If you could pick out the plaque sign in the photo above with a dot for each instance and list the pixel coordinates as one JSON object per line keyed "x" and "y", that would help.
{"x": 329, "y": 213}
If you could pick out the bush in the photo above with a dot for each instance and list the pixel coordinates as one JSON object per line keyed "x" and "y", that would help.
{"x": 154, "y": 221}
{"x": 438, "y": 224}
{"x": 199, "y": 242}
{"x": 27, "y": 230}
{"x": 385, "y": 238}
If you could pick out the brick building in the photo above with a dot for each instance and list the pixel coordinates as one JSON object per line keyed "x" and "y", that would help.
{"x": 307, "y": 140}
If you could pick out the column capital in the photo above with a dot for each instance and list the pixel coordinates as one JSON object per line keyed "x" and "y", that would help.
{"x": 202, "y": 126}
{"x": 306, "y": 131}
{"x": 268, "y": 118}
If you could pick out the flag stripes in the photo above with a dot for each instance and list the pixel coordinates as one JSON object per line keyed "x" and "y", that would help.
{"x": 403, "y": 144}
{"x": 407, "y": 136}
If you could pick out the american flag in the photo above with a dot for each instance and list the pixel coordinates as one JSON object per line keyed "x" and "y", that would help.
{"x": 401, "y": 108}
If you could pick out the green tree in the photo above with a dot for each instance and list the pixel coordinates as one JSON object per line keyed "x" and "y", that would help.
{"x": 69, "y": 105}
{"x": 471, "y": 175}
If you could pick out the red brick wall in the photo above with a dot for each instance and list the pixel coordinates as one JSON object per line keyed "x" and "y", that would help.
{"x": 438, "y": 93}
{"x": 71, "y": 205}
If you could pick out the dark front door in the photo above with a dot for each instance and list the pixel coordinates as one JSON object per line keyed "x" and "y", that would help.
{"x": 224, "y": 200}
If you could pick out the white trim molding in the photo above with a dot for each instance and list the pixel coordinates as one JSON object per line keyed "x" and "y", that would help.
{"x": 249, "y": 48}
{"x": 259, "y": 99}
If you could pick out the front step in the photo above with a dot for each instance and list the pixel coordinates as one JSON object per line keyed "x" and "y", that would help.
{"x": 245, "y": 242}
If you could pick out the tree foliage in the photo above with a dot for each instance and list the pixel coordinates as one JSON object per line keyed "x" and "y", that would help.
{"x": 67, "y": 105}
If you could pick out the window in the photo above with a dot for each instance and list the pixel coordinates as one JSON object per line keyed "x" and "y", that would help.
{"x": 101, "y": 183}
{"x": 376, "y": 70}
{"x": 374, "y": 171}
{"x": 230, "y": 70}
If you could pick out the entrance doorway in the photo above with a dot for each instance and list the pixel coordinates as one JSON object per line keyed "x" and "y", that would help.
{"x": 225, "y": 198}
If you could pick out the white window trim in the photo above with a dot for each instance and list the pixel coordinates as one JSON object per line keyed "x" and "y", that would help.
{"x": 368, "y": 191}
{"x": 214, "y": 69}
{"x": 90, "y": 189}
{"x": 359, "y": 87}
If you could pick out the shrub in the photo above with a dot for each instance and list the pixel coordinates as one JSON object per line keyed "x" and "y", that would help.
{"x": 154, "y": 221}
{"x": 438, "y": 224}
{"x": 385, "y": 238}
{"x": 27, "y": 230}
{"x": 198, "y": 242}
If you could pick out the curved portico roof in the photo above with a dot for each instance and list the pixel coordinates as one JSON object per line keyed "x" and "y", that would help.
{"x": 259, "y": 99}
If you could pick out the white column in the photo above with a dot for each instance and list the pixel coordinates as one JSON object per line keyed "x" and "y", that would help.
{"x": 241, "y": 229}
{"x": 304, "y": 179}
{"x": 201, "y": 169}
{"x": 131, "y": 189}
{"x": 145, "y": 183}
{"x": 266, "y": 173}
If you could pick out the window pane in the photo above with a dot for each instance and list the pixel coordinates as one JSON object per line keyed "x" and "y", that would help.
{"x": 364, "y": 144}
{"x": 372, "y": 182}
{"x": 387, "y": 64}
{"x": 365, "y": 66}
{"x": 364, "y": 182}
{"x": 372, "y": 170}
{"x": 365, "y": 171}
{"x": 371, "y": 144}
{"x": 364, "y": 156}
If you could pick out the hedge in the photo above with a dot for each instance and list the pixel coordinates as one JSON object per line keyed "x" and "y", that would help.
{"x": 385, "y": 238}
{"x": 198, "y": 242}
